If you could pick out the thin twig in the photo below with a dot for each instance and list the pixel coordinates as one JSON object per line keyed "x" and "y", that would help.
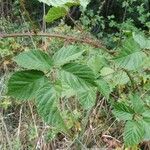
{"x": 19, "y": 126}
{"x": 74, "y": 22}
{"x": 33, "y": 118}
{"x": 113, "y": 138}
{"x": 6, "y": 132}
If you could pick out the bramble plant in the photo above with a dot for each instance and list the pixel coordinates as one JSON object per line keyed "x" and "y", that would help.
{"x": 48, "y": 78}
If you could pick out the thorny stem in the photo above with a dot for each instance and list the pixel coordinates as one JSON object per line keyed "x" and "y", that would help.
{"x": 89, "y": 41}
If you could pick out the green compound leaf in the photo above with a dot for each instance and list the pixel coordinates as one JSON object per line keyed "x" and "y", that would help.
{"x": 103, "y": 88}
{"x": 78, "y": 76}
{"x": 142, "y": 41}
{"x": 133, "y": 133}
{"x": 147, "y": 130}
{"x": 55, "y": 13}
{"x": 137, "y": 103}
{"x": 87, "y": 98}
{"x": 84, "y": 3}
{"x": 24, "y": 84}
{"x": 97, "y": 62}
{"x": 130, "y": 55}
{"x": 47, "y": 105}
{"x": 120, "y": 78}
{"x": 123, "y": 112}
{"x": 34, "y": 59}
{"x": 57, "y": 3}
{"x": 66, "y": 54}
{"x": 60, "y": 3}
{"x": 146, "y": 123}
